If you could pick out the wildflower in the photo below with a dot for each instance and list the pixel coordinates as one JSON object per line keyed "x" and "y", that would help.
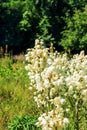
{"x": 56, "y": 80}
{"x": 66, "y": 121}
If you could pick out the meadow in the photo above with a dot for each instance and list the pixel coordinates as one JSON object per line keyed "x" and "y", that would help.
{"x": 46, "y": 91}
{"x": 16, "y": 101}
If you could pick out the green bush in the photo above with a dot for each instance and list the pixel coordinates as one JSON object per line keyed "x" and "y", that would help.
{"x": 23, "y": 123}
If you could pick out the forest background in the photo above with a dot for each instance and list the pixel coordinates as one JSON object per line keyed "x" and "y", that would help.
{"x": 62, "y": 22}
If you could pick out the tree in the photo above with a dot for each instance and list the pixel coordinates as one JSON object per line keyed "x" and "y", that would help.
{"x": 10, "y": 16}
{"x": 22, "y": 21}
{"x": 43, "y": 19}
{"x": 74, "y": 35}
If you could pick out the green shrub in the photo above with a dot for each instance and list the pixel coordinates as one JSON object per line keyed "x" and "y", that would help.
{"x": 23, "y": 123}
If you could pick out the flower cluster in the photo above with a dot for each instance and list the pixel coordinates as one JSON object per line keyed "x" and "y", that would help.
{"x": 57, "y": 83}
{"x": 52, "y": 120}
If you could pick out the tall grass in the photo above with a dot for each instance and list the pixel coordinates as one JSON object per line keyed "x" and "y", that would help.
{"x": 15, "y": 97}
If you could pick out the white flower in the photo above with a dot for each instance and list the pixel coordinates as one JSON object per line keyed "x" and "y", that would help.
{"x": 37, "y": 77}
{"x": 30, "y": 88}
{"x": 27, "y": 67}
{"x": 51, "y": 123}
{"x": 54, "y": 77}
{"x": 39, "y": 87}
{"x": 56, "y": 101}
{"x": 46, "y": 128}
{"x": 66, "y": 121}
{"x": 84, "y": 92}
{"x": 43, "y": 122}
{"x": 50, "y": 69}
{"x": 85, "y": 77}
{"x": 71, "y": 88}
{"x": 36, "y": 42}
{"x": 58, "y": 82}
{"x": 52, "y": 91}
{"x": 62, "y": 101}
{"x": 46, "y": 83}
{"x": 49, "y": 61}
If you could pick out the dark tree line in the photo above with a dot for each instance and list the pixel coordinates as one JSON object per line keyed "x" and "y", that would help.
{"x": 63, "y": 22}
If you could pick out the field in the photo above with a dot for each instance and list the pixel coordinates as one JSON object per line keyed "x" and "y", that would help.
{"x": 15, "y": 97}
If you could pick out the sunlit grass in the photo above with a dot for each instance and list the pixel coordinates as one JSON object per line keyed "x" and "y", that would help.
{"x": 15, "y": 97}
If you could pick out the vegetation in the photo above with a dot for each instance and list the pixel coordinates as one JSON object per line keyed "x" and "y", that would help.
{"x": 23, "y": 123}
{"x": 59, "y": 86}
{"x": 22, "y": 21}
{"x": 74, "y": 34}
{"x": 55, "y": 91}
{"x": 15, "y": 97}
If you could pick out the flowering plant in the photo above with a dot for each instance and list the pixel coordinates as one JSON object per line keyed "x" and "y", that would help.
{"x": 60, "y": 86}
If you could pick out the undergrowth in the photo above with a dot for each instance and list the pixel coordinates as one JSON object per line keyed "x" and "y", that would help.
{"x": 15, "y": 97}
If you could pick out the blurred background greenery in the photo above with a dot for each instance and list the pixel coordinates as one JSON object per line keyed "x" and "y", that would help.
{"x": 62, "y": 22}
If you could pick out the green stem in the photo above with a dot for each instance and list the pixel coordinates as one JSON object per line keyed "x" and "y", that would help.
{"x": 77, "y": 117}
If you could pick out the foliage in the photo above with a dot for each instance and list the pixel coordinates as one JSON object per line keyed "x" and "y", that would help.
{"x": 22, "y": 21}
{"x": 77, "y": 4}
{"x": 44, "y": 27}
{"x": 30, "y": 19}
{"x": 26, "y": 122}
{"x": 10, "y": 17}
{"x": 59, "y": 85}
{"x": 74, "y": 36}
{"x": 15, "y": 97}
